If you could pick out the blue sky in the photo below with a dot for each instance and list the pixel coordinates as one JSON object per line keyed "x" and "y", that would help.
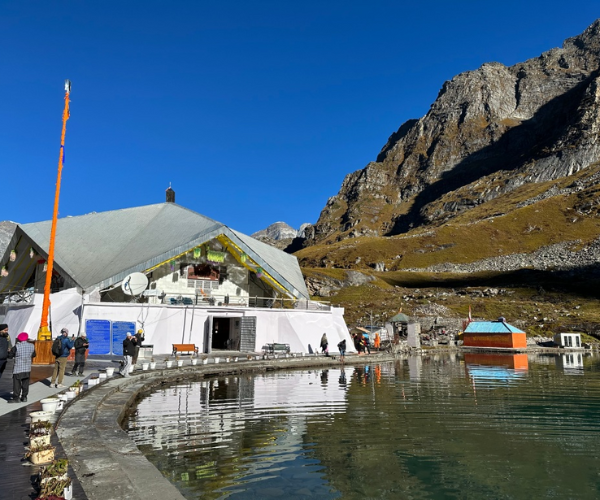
{"x": 253, "y": 111}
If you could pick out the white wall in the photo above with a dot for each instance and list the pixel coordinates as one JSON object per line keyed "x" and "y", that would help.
{"x": 165, "y": 325}
{"x": 64, "y": 312}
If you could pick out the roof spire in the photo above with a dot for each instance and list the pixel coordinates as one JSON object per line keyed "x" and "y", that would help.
{"x": 170, "y": 194}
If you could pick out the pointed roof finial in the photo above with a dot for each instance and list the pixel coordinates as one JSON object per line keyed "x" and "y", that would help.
{"x": 170, "y": 194}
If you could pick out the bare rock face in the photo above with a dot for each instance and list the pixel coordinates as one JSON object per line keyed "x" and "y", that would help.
{"x": 326, "y": 286}
{"x": 276, "y": 231}
{"x": 488, "y": 132}
{"x": 279, "y": 234}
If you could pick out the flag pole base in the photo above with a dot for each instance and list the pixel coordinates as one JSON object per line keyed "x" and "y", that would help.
{"x": 44, "y": 333}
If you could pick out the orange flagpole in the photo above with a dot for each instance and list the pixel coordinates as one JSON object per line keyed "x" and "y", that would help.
{"x": 44, "y": 332}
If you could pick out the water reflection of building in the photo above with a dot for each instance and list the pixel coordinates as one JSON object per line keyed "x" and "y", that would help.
{"x": 415, "y": 364}
{"x": 570, "y": 363}
{"x": 500, "y": 367}
{"x": 211, "y": 411}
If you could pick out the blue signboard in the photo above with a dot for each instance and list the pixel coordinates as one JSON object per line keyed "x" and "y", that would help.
{"x": 119, "y": 332}
{"x": 98, "y": 333}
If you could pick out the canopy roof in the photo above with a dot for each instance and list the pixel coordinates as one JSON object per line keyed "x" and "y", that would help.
{"x": 100, "y": 249}
{"x": 491, "y": 327}
{"x": 399, "y": 318}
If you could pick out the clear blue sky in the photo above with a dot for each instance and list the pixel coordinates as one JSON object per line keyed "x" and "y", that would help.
{"x": 254, "y": 111}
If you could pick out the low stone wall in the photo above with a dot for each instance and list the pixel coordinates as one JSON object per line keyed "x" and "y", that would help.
{"x": 107, "y": 463}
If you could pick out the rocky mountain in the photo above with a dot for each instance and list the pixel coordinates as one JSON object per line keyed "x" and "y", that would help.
{"x": 279, "y": 234}
{"x": 276, "y": 231}
{"x": 489, "y": 133}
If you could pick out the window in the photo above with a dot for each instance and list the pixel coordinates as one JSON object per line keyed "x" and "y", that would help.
{"x": 205, "y": 285}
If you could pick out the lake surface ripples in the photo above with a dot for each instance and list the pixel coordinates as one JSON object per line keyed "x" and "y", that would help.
{"x": 432, "y": 426}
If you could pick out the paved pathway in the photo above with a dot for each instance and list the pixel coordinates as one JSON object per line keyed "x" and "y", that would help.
{"x": 17, "y": 474}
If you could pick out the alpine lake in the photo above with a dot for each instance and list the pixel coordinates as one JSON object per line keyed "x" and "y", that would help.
{"x": 451, "y": 425}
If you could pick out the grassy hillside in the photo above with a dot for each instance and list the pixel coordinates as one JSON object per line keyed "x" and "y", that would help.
{"x": 544, "y": 310}
{"x": 499, "y": 227}
{"x": 532, "y": 217}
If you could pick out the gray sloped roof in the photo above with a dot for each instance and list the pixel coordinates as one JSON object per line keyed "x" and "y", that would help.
{"x": 100, "y": 249}
{"x": 7, "y": 229}
{"x": 399, "y": 318}
{"x": 285, "y": 265}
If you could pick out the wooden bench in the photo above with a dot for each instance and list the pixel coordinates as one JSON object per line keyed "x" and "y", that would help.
{"x": 178, "y": 348}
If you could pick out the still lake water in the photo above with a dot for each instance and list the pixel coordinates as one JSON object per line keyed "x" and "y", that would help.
{"x": 433, "y": 426}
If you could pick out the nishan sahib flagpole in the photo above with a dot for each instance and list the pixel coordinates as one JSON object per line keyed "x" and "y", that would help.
{"x": 44, "y": 333}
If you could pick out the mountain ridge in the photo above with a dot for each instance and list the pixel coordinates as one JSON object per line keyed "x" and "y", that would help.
{"x": 489, "y": 132}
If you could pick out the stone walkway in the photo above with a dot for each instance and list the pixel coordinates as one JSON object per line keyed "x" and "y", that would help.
{"x": 100, "y": 453}
{"x": 18, "y": 474}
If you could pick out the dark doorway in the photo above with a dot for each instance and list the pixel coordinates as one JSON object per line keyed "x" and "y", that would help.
{"x": 220, "y": 333}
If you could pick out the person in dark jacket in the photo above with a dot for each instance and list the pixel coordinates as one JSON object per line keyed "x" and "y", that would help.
{"x": 23, "y": 352}
{"x": 81, "y": 345}
{"x": 128, "y": 353}
{"x": 61, "y": 361}
{"x": 4, "y": 346}
{"x": 325, "y": 344}
{"x": 138, "y": 338}
{"x": 342, "y": 349}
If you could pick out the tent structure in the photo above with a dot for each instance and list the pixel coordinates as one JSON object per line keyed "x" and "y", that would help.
{"x": 98, "y": 250}
{"x": 207, "y": 283}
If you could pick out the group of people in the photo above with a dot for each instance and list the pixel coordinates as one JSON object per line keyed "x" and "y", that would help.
{"x": 81, "y": 344}
{"x": 361, "y": 343}
{"x": 325, "y": 347}
{"x": 22, "y": 352}
{"x": 131, "y": 350}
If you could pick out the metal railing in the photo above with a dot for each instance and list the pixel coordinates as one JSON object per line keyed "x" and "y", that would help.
{"x": 22, "y": 297}
{"x": 254, "y": 301}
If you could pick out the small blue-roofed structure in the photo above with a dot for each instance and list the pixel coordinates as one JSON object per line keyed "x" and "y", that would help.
{"x": 491, "y": 327}
{"x": 493, "y": 335}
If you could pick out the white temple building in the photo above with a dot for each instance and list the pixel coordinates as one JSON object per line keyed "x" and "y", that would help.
{"x": 207, "y": 284}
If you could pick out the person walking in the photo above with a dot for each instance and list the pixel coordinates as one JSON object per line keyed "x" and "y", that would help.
{"x": 81, "y": 345}
{"x": 366, "y": 344}
{"x": 4, "y": 347}
{"x": 23, "y": 352}
{"x": 138, "y": 338}
{"x": 128, "y": 353}
{"x": 356, "y": 342}
{"x": 377, "y": 341}
{"x": 359, "y": 342}
{"x": 325, "y": 344}
{"x": 61, "y": 361}
{"x": 342, "y": 349}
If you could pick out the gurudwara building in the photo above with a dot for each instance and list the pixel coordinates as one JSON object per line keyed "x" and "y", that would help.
{"x": 207, "y": 284}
